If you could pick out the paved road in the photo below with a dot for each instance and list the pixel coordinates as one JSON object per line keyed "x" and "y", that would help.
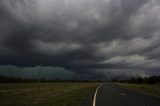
{"x": 112, "y": 95}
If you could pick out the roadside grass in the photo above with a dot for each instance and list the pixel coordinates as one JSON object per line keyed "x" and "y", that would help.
{"x": 153, "y": 89}
{"x": 50, "y": 94}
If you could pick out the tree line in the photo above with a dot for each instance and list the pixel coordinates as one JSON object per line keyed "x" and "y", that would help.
{"x": 137, "y": 80}
{"x": 5, "y": 79}
{"x": 140, "y": 80}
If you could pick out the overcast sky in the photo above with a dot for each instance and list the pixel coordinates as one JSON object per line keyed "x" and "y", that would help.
{"x": 93, "y": 39}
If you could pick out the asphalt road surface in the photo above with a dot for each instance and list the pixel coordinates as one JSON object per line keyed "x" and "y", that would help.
{"x": 112, "y": 95}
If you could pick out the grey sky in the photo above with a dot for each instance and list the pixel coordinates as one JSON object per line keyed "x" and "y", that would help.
{"x": 92, "y": 38}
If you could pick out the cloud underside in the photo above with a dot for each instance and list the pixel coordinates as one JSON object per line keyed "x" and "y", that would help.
{"x": 92, "y": 38}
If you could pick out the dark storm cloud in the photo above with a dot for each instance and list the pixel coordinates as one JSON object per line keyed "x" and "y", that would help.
{"x": 94, "y": 38}
{"x": 31, "y": 72}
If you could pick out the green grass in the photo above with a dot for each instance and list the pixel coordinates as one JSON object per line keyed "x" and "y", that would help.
{"x": 146, "y": 88}
{"x": 50, "y": 94}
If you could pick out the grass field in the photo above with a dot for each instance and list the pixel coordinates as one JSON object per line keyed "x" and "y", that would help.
{"x": 50, "y": 94}
{"x": 146, "y": 88}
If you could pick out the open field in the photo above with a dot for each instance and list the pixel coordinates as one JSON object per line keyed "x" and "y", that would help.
{"x": 50, "y": 94}
{"x": 146, "y": 88}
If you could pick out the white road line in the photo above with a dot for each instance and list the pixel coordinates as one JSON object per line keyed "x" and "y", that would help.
{"x": 95, "y": 95}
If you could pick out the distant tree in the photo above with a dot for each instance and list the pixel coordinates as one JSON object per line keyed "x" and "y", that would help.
{"x": 147, "y": 80}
